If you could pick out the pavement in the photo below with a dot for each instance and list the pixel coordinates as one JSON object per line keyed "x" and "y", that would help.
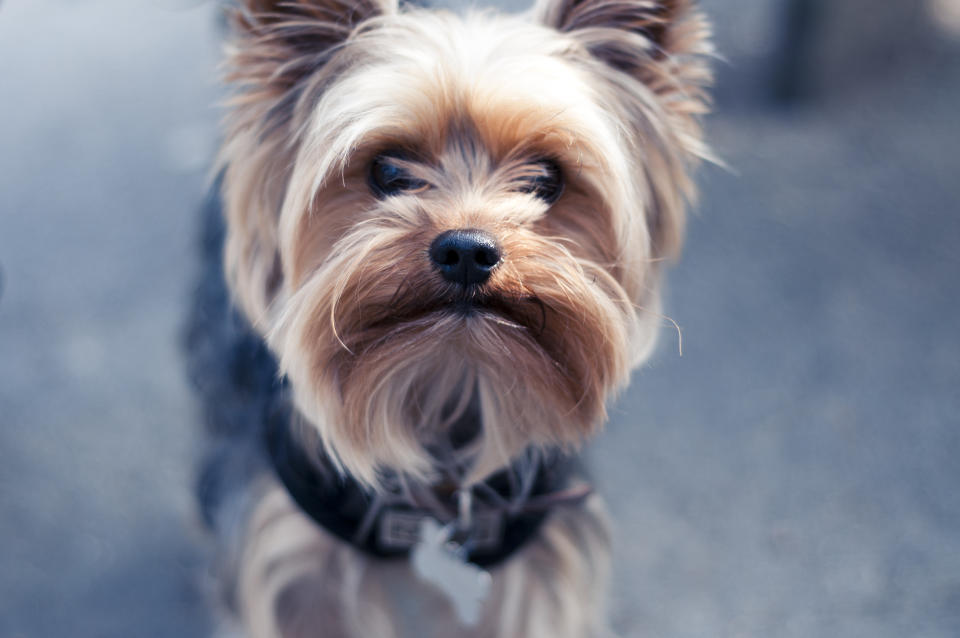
{"x": 793, "y": 474}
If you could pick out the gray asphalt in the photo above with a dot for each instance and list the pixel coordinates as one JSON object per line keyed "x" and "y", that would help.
{"x": 794, "y": 473}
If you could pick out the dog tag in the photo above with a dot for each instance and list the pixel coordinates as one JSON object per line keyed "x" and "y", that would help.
{"x": 438, "y": 562}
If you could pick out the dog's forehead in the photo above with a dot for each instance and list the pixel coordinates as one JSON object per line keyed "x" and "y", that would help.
{"x": 421, "y": 75}
{"x": 473, "y": 46}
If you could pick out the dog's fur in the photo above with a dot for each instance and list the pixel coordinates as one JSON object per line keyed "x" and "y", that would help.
{"x": 382, "y": 356}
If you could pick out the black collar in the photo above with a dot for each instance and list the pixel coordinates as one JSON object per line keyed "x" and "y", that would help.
{"x": 352, "y": 513}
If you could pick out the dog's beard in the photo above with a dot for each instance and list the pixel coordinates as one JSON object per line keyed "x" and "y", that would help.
{"x": 378, "y": 348}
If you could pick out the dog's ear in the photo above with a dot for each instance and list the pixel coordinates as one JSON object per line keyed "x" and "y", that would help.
{"x": 293, "y": 19}
{"x": 283, "y": 41}
{"x": 641, "y": 37}
{"x": 666, "y": 46}
{"x": 279, "y": 61}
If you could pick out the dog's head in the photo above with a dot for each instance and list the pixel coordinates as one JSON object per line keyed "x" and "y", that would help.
{"x": 427, "y": 211}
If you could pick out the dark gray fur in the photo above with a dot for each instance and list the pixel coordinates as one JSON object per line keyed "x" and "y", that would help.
{"x": 235, "y": 378}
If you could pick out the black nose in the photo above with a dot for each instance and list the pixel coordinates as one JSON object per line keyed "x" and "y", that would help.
{"x": 465, "y": 257}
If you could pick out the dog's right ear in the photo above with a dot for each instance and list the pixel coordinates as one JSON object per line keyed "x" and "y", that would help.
{"x": 278, "y": 62}
{"x": 281, "y": 42}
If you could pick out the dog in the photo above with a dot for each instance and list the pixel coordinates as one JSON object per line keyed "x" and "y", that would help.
{"x": 431, "y": 259}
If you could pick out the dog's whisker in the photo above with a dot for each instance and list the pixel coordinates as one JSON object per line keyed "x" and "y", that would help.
{"x": 676, "y": 326}
{"x": 396, "y": 295}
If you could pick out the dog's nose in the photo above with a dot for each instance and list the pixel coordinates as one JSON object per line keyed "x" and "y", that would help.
{"x": 466, "y": 256}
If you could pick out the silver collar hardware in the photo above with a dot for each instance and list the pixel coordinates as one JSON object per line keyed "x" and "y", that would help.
{"x": 399, "y": 529}
{"x": 473, "y": 530}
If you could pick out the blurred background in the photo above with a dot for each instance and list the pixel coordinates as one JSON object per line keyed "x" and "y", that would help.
{"x": 795, "y": 473}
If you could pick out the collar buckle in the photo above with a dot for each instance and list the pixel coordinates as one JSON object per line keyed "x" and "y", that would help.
{"x": 399, "y": 530}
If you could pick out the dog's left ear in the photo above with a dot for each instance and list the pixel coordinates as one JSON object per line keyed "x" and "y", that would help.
{"x": 656, "y": 41}
{"x": 665, "y": 45}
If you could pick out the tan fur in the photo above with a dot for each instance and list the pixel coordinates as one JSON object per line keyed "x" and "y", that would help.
{"x": 340, "y": 284}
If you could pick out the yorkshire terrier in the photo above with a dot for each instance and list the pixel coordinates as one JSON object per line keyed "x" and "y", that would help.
{"x": 443, "y": 236}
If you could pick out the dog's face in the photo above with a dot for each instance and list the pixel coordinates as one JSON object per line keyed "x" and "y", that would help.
{"x": 426, "y": 211}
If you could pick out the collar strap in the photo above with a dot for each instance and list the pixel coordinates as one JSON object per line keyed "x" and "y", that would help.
{"x": 389, "y": 527}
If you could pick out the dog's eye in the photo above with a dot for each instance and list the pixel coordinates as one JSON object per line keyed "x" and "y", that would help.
{"x": 389, "y": 177}
{"x": 544, "y": 180}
